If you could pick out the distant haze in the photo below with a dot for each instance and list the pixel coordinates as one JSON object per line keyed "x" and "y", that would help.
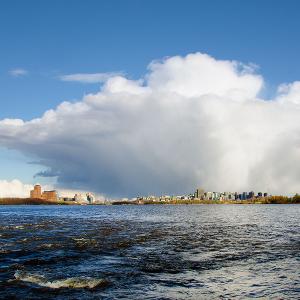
{"x": 190, "y": 121}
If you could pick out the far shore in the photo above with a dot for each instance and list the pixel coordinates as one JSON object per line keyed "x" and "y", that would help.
{"x": 267, "y": 200}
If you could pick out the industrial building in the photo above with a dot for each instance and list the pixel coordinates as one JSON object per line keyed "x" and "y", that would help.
{"x": 37, "y": 193}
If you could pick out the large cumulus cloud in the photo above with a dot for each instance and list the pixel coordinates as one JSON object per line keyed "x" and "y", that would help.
{"x": 191, "y": 121}
{"x": 14, "y": 188}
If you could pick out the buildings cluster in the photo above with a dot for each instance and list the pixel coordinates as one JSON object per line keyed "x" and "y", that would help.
{"x": 89, "y": 198}
{"x": 200, "y": 194}
{"x": 37, "y": 193}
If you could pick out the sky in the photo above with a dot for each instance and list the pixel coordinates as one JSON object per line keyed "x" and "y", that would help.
{"x": 114, "y": 53}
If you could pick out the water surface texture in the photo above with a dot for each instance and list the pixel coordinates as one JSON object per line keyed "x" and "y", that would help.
{"x": 150, "y": 252}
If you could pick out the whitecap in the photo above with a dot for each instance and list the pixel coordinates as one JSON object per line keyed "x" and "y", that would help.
{"x": 19, "y": 227}
{"x": 72, "y": 282}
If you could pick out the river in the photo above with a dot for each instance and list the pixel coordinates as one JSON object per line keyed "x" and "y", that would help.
{"x": 150, "y": 252}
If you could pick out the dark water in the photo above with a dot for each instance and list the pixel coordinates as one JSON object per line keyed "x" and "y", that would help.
{"x": 150, "y": 252}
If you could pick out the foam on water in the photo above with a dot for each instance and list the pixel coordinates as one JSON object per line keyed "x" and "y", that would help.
{"x": 73, "y": 282}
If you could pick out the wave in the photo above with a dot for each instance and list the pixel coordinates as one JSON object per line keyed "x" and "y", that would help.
{"x": 72, "y": 282}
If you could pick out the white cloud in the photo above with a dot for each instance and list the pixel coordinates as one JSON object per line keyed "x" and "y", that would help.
{"x": 88, "y": 77}
{"x": 191, "y": 121}
{"x": 200, "y": 74}
{"x": 289, "y": 93}
{"x": 18, "y": 72}
{"x": 14, "y": 188}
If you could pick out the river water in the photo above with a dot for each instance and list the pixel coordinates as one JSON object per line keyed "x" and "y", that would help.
{"x": 150, "y": 252}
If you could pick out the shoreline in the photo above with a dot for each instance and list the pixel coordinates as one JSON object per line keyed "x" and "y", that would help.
{"x": 269, "y": 200}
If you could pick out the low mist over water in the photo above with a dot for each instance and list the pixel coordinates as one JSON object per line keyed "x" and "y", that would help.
{"x": 150, "y": 252}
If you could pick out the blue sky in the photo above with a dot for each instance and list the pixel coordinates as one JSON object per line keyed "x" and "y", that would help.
{"x": 48, "y": 39}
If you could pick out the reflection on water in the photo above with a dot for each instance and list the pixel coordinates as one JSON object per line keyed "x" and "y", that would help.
{"x": 150, "y": 252}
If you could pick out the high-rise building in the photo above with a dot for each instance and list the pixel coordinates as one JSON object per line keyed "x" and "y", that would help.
{"x": 199, "y": 194}
{"x": 251, "y": 195}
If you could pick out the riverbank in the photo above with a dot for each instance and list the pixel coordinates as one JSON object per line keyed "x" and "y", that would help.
{"x": 225, "y": 202}
{"x": 262, "y": 200}
{"x": 30, "y": 201}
